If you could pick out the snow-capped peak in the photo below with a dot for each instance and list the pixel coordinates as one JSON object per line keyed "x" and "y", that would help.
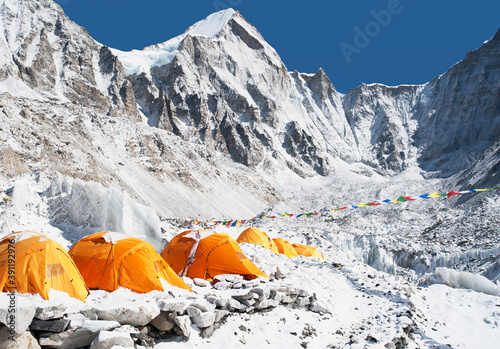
{"x": 137, "y": 61}
{"x": 212, "y": 25}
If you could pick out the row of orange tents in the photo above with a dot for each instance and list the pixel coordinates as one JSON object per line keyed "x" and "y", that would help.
{"x": 32, "y": 263}
{"x": 278, "y": 245}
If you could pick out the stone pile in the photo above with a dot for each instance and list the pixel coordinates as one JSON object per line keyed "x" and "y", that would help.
{"x": 138, "y": 324}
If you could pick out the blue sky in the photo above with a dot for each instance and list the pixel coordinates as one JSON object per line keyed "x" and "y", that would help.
{"x": 387, "y": 41}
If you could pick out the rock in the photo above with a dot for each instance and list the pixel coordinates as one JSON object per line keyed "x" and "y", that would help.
{"x": 184, "y": 323}
{"x": 138, "y": 315}
{"x": 303, "y": 293}
{"x": 172, "y": 305}
{"x": 289, "y": 298}
{"x": 232, "y": 278}
{"x": 243, "y": 297}
{"x": 193, "y": 311}
{"x": 51, "y": 312}
{"x": 18, "y": 321}
{"x": 220, "y": 315}
{"x": 78, "y": 321}
{"x": 107, "y": 340}
{"x": 267, "y": 303}
{"x": 234, "y": 305}
{"x": 203, "y": 320}
{"x": 223, "y": 285}
{"x": 263, "y": 292}
{"x": 188, "y": 281}
{"x": 319, "y": 307}
{"x": 164, "y": 322}
{"x": 201, "y": 282}
{"x": 218, "y": 302}
{"x": 248, "y": 303}
{"x": 209, "y": 331}
{"x": 90, "y": 314}
{"x": 56, "y": 325}
{"x": 203, "y": 305}
{"x": 10, "y": 340}
{"x": 302, "y": 302}
{"x": 143, "y": 340}
{"x": 68, "y": 339}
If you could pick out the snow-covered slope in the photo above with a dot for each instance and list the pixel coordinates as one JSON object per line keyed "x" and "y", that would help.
{"x": 212, "y": 125}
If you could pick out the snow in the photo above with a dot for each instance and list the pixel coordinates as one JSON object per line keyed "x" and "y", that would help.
{"x": 136, "y": 61}
{"x": 114, "y": 237}
{"x": 211, "y": 25}
{"x": 391, "y": 267}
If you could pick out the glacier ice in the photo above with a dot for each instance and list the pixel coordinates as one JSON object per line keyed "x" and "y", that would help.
{"x": 79, "y": 203}
{"x": 464, "y": 279}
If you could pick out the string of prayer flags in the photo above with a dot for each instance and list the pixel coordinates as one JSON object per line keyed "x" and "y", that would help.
{"x": 426, "y": 196}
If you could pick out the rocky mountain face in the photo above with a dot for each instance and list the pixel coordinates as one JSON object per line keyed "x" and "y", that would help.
{"x": 56, "y": 58}
{"x": 160, "y": 123}
{"x": 231, "y": 91}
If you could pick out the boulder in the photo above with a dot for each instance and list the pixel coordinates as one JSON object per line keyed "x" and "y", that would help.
{"x": 203, "y": 305}
{"x": 223, "y": 285}
{"x": 184, "y": 323}
{"x": 220, "y": 314}
{"x": 108, "y": 340}
{"x": 70, "y": 339}
{"x": 172, "y": 305}
{"x": 51, "y": 312}
{"x": 193, "y": 311}
{"x": 78, "y": 321}
{"x": 218, "y": 302}
{"x": 234, "y": 305}
{"x": 201, "y": 282}
{"x": 263, "y": 292}
{"x": 267, "y": 303}
{"x": 130, "y": 314}
{"x": 203, "y": 320}
{"x": 164, "y": 322}
{"x": 243, "y": 297}
{"x": 55, "y": 325}
{"x": 18, "y": 321}
{"x": 302, "y": 302}
{"x": 319, "y": 307}
{"x": 10, "y": 340}
{"x": 90, "y": 314}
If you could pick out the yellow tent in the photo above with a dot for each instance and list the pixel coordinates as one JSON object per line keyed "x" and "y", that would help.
{"x": 308, "y": 251}
{"x": 286, "y": 248}
{"x": 32, "y": 263}
{"x": 108, "y": 260}
{"x": 259, "y": 237}
{"x": 206, "y": 254}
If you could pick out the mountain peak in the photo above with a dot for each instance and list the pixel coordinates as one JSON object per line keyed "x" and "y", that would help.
{"x": 212, "y": 25}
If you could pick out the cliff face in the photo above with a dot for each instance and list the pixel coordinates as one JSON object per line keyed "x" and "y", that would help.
{"x": 43, "y": 49}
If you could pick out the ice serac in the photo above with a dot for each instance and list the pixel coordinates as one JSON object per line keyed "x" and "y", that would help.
{"x": 226, "y": 87}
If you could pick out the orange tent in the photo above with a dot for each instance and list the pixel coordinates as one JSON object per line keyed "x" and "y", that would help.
{"x": 32, "y": 263}
{"x": 286, "y": 248}
{"x": 108, "y": 260}
{"x": 206, "y": 254}
{"x": 308, "y": 251}
{"x": 259, "y": 237}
